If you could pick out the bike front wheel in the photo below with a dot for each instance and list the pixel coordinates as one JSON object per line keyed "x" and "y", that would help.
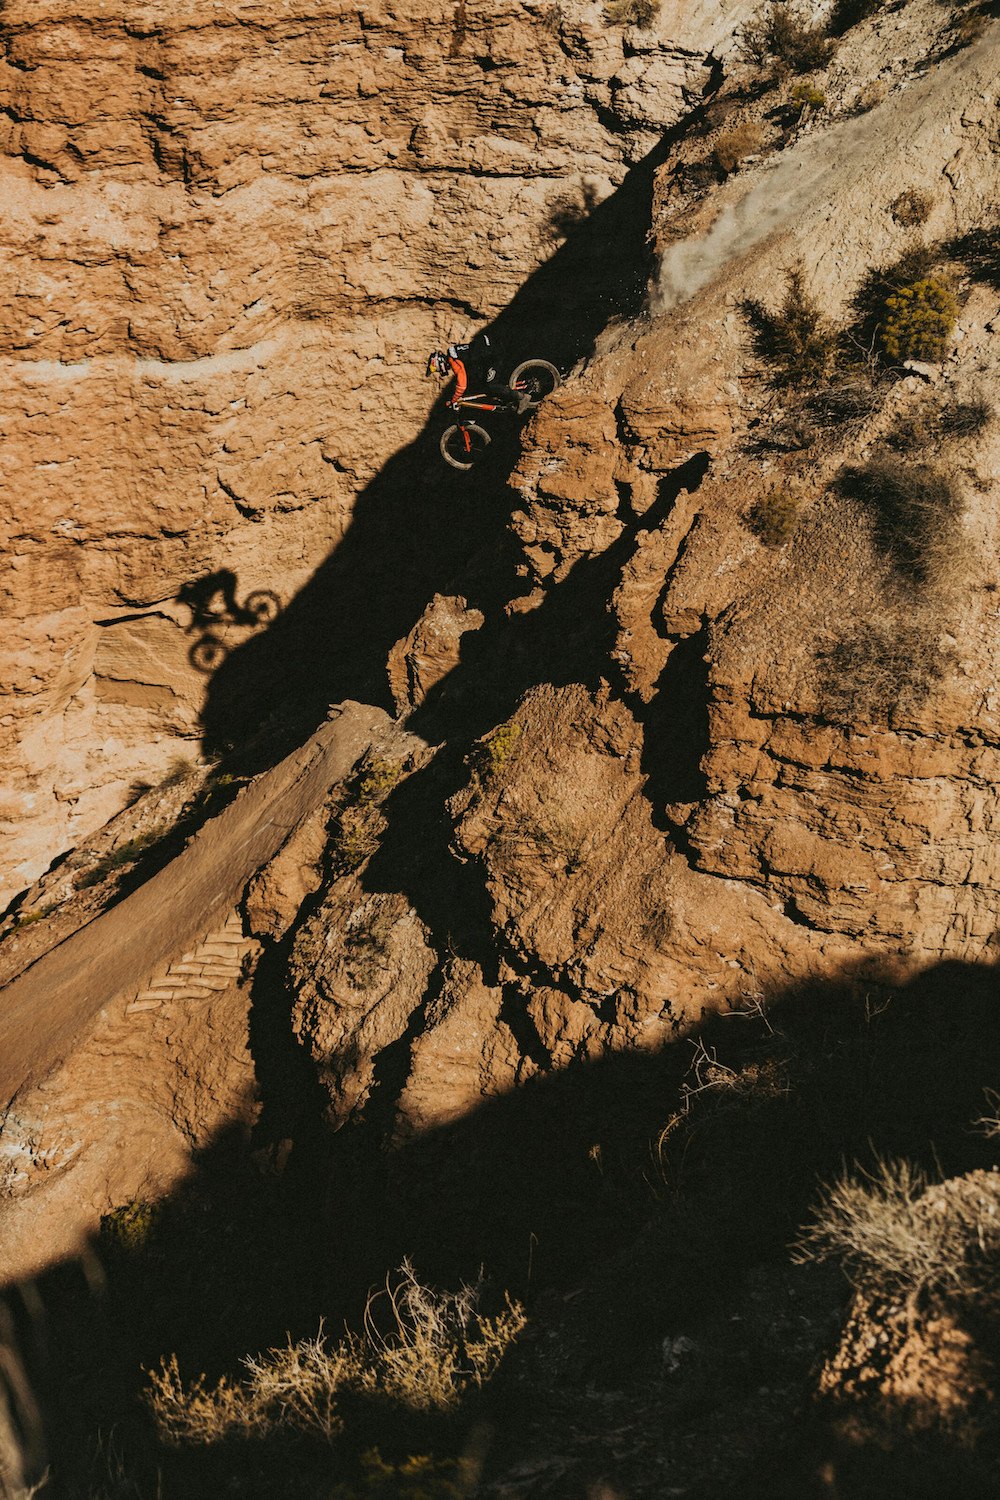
{"x": 208, "y": 654}
{"x": 536, "y": 379}
{"x": 463, "y": 445}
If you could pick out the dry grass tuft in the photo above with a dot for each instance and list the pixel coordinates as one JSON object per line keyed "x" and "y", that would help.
{"x": 631, "y": 12}
{"x": 916, "y": 510}
{"x": 911, "y": 208}
{"x": 897, "y": 1240}
{"x": 733, "y": 146}
{"x": 420, "y": 1349}
{"x": 877, "y": 669}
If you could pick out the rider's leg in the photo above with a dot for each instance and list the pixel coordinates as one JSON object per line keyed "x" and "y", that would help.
{"x": 504, "y": 396}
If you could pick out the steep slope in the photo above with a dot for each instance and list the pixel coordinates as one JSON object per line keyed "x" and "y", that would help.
{"x": 232, "y": 239}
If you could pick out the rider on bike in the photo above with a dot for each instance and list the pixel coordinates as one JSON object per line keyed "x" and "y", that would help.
{"x": 472, "y": 363}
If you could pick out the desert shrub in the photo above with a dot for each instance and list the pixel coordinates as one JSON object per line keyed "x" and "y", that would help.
{"x": 847, "y": 13}
{"x": 420, "y": 1477}
{"x": 967, "y": 419}
{"x": 782, "y": 34}
{"x": 930, "y": 423}
{"x": 878, "y": 668}
{"x": 911, "y": 208}
{"x": 38, "y": 915}
{"x": 870, "y": 96}
{"x": 881, "y": 282}
{"x": 900, "y": 1241}
{"x": 733, "y": 146}
{"x": 979, "y": 252}
{"x": 806, "y": 96}
{"x": 846, "y": 399}
{"x": 116, "y": 859}
{"x": 775, "y": 517}
{"x": 492, "y": 753}
{"x": 916, "y": 510}
{"x": 918, "y": 320}
{"x": 631, "y": 12}
{"x": 358, "y": 828}
{"x": 796, "y": 341}
{"x": 422, "y": 1349}
{"x": 129, "y": 1228}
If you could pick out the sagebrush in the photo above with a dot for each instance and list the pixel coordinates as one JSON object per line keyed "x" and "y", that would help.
{"x": 774, "y": 517}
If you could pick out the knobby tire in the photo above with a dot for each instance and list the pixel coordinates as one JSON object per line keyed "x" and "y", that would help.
{"x": 454, "y": 450}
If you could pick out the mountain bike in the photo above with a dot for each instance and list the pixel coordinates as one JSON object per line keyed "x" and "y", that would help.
{"x": 212, "y": 601}
{"x": 464, "y": 443}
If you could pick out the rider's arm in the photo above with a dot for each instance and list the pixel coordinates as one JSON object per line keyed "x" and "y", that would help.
{"x": 461, "y": 380}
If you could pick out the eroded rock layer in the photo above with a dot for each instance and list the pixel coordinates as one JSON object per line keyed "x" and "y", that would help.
{"x": 231, "y": 235}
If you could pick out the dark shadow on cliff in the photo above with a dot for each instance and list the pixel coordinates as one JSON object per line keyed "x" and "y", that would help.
{"x": 420, "y": 528}
{"x": 621, "y": 1215}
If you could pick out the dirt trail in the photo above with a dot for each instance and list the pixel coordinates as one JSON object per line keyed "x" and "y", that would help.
{"x": 44, "y": 1010}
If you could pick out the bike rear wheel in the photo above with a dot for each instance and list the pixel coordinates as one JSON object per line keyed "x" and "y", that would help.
{"x": 536, "y": 379}
{"x": 262, "y": 605}
{"x": 464, "y": 444}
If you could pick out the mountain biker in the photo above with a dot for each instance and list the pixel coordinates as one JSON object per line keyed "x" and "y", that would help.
{"x": 471, "y": 363}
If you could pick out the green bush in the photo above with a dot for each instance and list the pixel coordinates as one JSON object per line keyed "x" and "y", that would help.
{"x": 918, "y": 320}
{"x": 783, "y": 35}
{"x": 797, "y": 341}
{"x": 129, "y": 1228}
{"x": 806, "y": 96}
{"x": 358, "y": 828}
{"x": 492, "y": 754}
{"x": 882, "y": 282}
{"x": 775, "y": 517}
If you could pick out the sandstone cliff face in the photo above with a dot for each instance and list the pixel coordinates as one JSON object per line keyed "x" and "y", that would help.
{"x": 231, "y": 239}
{"x": 645, "y": 795}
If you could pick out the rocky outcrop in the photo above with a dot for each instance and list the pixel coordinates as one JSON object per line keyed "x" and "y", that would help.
{"x": 844, "y": 759}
